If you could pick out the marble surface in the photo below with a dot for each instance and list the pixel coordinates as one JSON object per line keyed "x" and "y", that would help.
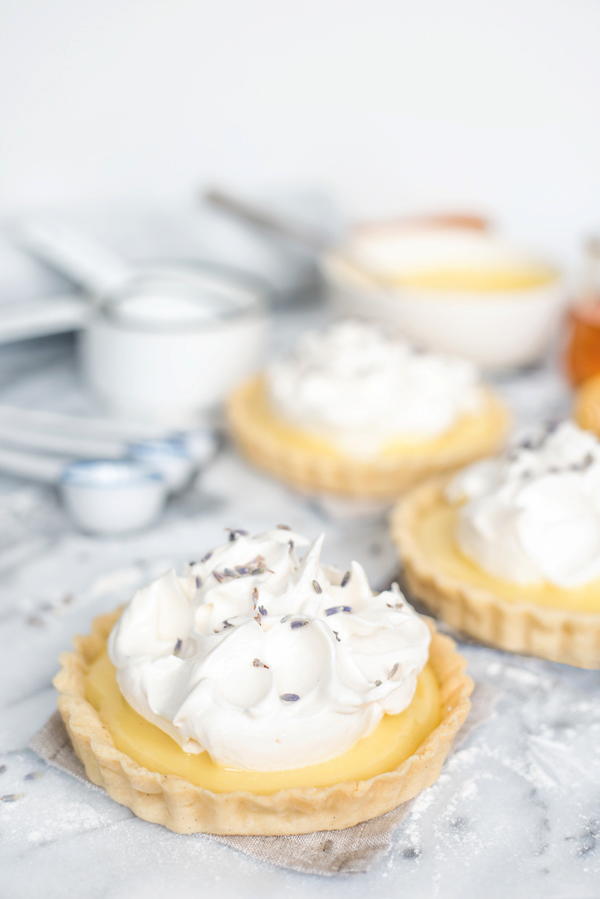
{"x": 516, "y": 812}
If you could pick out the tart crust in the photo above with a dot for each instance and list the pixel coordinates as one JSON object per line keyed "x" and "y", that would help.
{"x": 586, "y": 411}
{"x": 382, "y": 478}
{"x": 186, "y": 808}
{"x": 561, "y": 635}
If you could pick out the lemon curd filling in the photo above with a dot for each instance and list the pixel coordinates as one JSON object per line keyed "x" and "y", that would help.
{"x": 435, "y": 534}
{"x": 476, "y": 279}
{"x": 394, "y": 740}
{"x": 468, "y": 429}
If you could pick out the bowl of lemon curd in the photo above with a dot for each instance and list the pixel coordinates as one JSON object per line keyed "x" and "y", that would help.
{"x": 457, "y": 290}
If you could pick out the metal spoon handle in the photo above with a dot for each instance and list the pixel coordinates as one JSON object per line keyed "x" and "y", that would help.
{"x": 31, "y": 465}
{"x": 82, "y": 259}
{"x": 267, "y": 221}
{"x": 264, "y": 219}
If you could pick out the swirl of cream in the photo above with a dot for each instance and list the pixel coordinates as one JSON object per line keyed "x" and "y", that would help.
{"x": 532, "y": 515}
{"x": 361, "y": 389}
{"x": 267, "y": 661}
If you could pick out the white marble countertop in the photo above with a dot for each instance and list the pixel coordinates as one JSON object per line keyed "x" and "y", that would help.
{"x": 516, "y": 812}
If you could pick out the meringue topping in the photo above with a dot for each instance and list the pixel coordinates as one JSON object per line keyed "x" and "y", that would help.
{"x": 532, "y": 515}
{"x": 266, "y": 660}
{"x": 362, "y": 389}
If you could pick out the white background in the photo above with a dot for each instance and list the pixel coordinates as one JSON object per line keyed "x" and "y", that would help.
{"x": 391, "y": 105}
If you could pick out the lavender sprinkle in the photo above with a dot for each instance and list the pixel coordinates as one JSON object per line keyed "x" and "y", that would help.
{"x": 317, "y": 587}
{"x": 333, "y": 610}
{"x": 178, "y": 646}
{"x": 289, "y": 697}
{"x": 198, "y": 583}
{"x": 298, "y": 622}
{"x": 345, "y": 579}
{"x": 393, "y": 670}
{"x": 262, "y": 610}
{"x": 206, "y": 556}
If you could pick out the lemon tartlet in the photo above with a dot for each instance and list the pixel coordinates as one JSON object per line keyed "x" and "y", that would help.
{"x": 356, "y": 413}
{"x": 508, "y": 550}
{"x": 263, "y": 693}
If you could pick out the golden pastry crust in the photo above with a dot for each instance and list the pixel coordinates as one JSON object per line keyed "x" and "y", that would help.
{"x": 586, "y": 411}
{"x": 561, "y": 635}
{"x": 382, "y": 478}
{"x": 185, "y": 808}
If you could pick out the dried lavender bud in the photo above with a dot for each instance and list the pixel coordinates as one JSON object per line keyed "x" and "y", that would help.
{"x": 317, "y": 587}
{"x": 206, "y": 556}
{"x": 289, "y": 697}
{"x": 587, "y": 460}
{"x": 257, "y": 663}
{"x": 177, "y": 647}
{"x": 262, "y": 610}
{"x": 198, "y": 583}
{"x": 345, "y": 579}
{"x": 234, "y": 533}
{"x": 298, "y": 622}
{"x": 393, "y": 670}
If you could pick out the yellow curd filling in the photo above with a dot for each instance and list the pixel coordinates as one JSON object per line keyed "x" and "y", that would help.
{"x": 466, "y": 431}
{"x": 394, "y": 740}
{"x": 435, "y": 532}
{"x": 476, "y": 279}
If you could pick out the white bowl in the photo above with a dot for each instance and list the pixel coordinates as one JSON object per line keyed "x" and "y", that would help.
{"x": 166, "y": 350}
{"x": 496, "y": 329}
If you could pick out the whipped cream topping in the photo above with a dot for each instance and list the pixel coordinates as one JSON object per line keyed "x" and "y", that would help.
{"x": 532, "y": 515}
{"x": 265, "y": 660}
{"x": 360, "y": 388}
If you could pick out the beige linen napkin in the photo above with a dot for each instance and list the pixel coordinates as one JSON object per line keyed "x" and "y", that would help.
{"x": 353, "y": 850}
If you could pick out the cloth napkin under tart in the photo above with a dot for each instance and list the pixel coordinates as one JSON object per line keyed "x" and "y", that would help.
{"x": 353, "y": 850}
